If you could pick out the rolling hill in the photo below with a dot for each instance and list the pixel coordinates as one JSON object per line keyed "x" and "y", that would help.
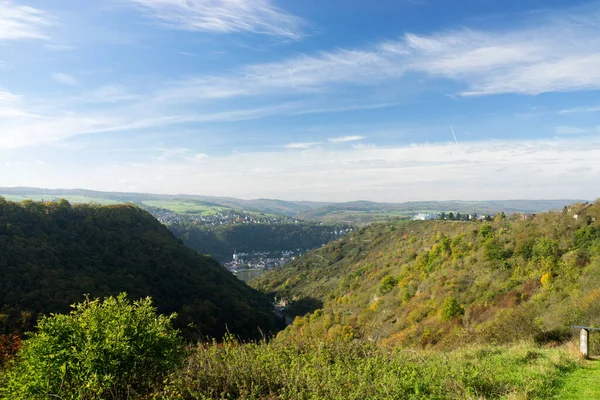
{"x": 52, "y": 254}
{"x": 354, "y": 212}
{"x": 439, "y": 283}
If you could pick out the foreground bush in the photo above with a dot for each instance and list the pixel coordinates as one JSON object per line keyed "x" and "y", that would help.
{"x": 110, "y": 349}
{"x": 361, "y": 371}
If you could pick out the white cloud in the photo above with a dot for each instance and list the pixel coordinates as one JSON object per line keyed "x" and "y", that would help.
{"x": 19, "y": 22}
{"x": 580, "y": 110}
{"x": 65, "y": 79}
{"x": 224, "y": 16}
{"x": 301, "y": 145}
{"x": 551, "y": 54}
{"x": 344, "y": 139}
{"x": 11, "y": 106}
{"x": 478, "y": 170}
{"x": 572, "y": 130}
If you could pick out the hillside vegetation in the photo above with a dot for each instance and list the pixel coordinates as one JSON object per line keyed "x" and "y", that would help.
{"x": 115, "y": 349}
{"x": 439, "y": 283}
{"x": 54, "y": 253}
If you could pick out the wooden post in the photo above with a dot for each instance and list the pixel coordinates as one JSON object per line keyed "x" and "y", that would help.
{"x": 584, "y": 342}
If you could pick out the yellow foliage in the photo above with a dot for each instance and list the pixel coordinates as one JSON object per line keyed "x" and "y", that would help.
{"x": 546, "y": 279}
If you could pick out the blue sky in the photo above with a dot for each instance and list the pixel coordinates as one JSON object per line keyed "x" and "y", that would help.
{"x": 305, "y": 100}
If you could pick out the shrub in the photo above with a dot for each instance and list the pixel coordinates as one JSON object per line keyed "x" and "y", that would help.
{"x": 486, "y": 231}
{"x": 109, "y": 349}
{"x": 493, "y": 250}
{"x": 387, "y": 284}
{"x": 450, "y": 309}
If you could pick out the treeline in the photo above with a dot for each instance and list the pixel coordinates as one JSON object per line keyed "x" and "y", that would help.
{"x": 52, "y": 254}
{"x": 450, "y": 216}
{"x": 222, "y": 241}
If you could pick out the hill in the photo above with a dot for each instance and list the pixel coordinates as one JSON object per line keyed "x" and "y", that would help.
{"x": 355, "y": 212}
{"x": 182, "y": 203}
{"x": 54, "y": 253}
{"x": 222, "y": 241}
{"x": 439, "y": 283}
{"x": 361, "y": 212}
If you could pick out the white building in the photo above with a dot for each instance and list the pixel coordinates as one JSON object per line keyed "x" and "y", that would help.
{"x": 424, "y": 217}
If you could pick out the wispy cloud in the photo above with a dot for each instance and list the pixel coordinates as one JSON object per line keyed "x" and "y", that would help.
{"x": 554, "y": 53}
{"x": 555, "y": 168}
{"x": 575, "y": 110}
{"x": 65, "y": 79}
{"x": 224, "y": 16}
{"x": 18, "y": 22}
{"x": 11, "y": 106}
{"x": 344, "y": 139}
{"x": 302, "y": 145}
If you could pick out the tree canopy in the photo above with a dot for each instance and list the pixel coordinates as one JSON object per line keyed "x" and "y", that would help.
{"x": 54, "y": 253}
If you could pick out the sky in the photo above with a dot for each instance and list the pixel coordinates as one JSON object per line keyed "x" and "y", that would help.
{"x": 337, "y": 100}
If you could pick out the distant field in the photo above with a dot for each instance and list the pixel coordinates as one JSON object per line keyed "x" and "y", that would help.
{"x": 185, "y": 207}
{"x": 71, "y": 199}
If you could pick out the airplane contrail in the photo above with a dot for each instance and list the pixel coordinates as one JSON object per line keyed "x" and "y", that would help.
{"x": 452, "y": 130}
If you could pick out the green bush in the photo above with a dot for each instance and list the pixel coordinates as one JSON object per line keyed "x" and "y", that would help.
{"x": 450, "y": 309}
{"x": 486, "y": 231}
{"x": 493, "y": 250}
{"x": 387, "y": 284}
{"x": 110, "y": 349}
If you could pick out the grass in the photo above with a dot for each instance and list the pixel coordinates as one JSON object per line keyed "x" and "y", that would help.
{"x": 357, "y": 370}
{"x": 583, "y": 383}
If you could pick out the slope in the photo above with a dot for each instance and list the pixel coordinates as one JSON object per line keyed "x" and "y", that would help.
{"x": 439, "y": 283}
{"x": 54, "y": 253}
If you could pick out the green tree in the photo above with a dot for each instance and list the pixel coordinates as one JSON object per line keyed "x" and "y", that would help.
{"x": 111, "y": 349}
{"x": 486, "y": 231}
{"x": 493, "y": 250}
{"x": 450, "y": 309}
{"x": 500, "y": 217}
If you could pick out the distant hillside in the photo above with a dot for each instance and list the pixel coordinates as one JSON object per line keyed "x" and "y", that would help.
{"x": 54, "y": 253}
{"x": 430, "y": 283}
{"x": 222, "y": 241}
{"x": 359, "y": 212}
{"x": 194, "y": 202}
{"x": 355, "y": 212}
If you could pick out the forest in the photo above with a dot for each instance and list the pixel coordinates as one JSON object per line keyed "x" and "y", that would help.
{"x": 54, "y": 254}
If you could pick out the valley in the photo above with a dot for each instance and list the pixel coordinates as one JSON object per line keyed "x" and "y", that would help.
{"x": 396, "y": 299}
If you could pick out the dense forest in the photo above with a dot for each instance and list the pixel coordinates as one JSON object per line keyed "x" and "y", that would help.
{"x": 430, "y": 283}
{"x": 221, "y": 241}
{"x": 52, "y": 254}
